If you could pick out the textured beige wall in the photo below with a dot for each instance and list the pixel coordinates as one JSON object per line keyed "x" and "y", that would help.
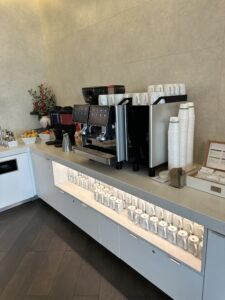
{"x": 136, "y": 43}
{"x": 131, "y": 42}
{"x": 21, "y": 62}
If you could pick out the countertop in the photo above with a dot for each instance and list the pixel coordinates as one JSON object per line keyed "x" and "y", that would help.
{"x": 206, "y": 209}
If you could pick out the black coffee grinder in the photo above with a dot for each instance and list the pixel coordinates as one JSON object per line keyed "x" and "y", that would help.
{"x": 61, "y": 122}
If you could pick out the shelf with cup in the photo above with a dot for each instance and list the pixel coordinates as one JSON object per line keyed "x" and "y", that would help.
{"x": 117, "y": 206}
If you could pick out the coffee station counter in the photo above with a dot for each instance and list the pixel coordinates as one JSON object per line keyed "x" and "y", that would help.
{"x": 206, "y": 209}
{"x": 201, "y": 207}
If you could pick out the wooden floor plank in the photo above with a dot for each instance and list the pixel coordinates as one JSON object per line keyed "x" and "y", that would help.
{"x": 45, "y": 274}
{"x": 66, "y": 277}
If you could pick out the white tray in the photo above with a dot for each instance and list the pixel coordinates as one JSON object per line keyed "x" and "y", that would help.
{"x": 205, "y": 185}
{"x": 11, "y": 144}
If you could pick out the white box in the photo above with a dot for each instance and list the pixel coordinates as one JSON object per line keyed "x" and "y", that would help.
{"x": 11, "y": 143}
{"x": 204, "y": 185}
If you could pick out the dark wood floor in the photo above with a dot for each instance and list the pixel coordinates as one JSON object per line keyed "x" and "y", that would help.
{"x": 44, "y": 256}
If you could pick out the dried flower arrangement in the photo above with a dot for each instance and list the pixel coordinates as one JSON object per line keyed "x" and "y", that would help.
{"x": 43, "y": 100}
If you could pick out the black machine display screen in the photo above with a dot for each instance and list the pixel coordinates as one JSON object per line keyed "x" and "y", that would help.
{"x": 99, "y": 115}
{"x": 80, "y": 113}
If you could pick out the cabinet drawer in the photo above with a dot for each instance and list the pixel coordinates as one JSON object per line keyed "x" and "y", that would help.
{"x": 109, "y": 234}
{"x": 87, "y": 219}
{"x": 64, "y": 203}
{"x": 171, "y": 276}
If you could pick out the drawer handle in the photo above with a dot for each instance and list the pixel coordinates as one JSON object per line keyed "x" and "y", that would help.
{"x": 133, "y": 236}
{"x": 84, "y": 205}
{"x": 175, "y": 261}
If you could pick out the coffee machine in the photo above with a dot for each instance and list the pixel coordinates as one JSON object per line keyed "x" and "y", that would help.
{"x": 146, "y": 131}
{"x": 100, "y": 129}
{"x": 61, "y": 121}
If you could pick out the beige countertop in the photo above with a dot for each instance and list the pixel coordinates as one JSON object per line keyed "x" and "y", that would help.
{"x": 198, "y": 206}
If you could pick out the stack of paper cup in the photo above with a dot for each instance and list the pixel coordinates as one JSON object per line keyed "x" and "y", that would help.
{"x": 190, "y": 135}
{"x": 183, "y": 132}
{"x": 173, "y": 143}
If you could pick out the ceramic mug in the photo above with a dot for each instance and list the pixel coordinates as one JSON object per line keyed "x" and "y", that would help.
{"x": 128, "y": 199}
{"x": 177, "y": 221}
{"x": 96, "y": 194}
{"x": 144, "y": 221}
{"x": 150, "y": 208}
{"x": 182, "y": 89}
{"x": 135, "y": 201}
{"x": 169, "y": 89}
{"x": 151, "y": 88}
{"x": 103, "y": 100}
{"x": 172, "y": 234}
{"x": 136, "y": 99}
{"x": 193, "y": 242}
{"x": 144, "y": 99}
{"x": 159, "y": 88}
{"x": 106, "y": 197}
{"x": 119, "y": 206}
{"x": 182, "y": 237}
{"x": 153, "y": 224}
{"x": 176, "y": 87}
{"x": 137, "y": 215}
{"x": 162, "y": 229}
{"x": 141, "y": 204}
{"x": 187, "y": 225}
{"x": 198, "y": 230}
{"x": 168, "y": 216}
{"x": 131, "y": 210}
{"x": 159, "y": 212}
{"x": 112, "y": 202}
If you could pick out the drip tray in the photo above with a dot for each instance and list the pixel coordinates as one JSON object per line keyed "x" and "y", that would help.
{"x": 97, "y": 155}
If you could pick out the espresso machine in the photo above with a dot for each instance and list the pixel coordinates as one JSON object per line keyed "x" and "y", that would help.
{"x": 61, "y": 121}
{"x": 146, "y": 131}
{"x": 100, "y": 131}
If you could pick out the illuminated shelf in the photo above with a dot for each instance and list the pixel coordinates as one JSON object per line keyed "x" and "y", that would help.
{"x": 87, "y": 197}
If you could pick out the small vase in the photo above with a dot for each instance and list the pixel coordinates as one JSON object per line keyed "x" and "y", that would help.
{"x": 45, "y": 121}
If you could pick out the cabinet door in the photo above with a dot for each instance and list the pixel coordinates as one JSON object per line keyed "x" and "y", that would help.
{"x": 18, "y": 184}
{"x": 109, "y": 234}
{"x": 214, "y": 283}
{"x": 66, "y": 205}
{"x": 174, "y": 278}
{"x": 43, "y": 177}
{"x": 87, "y": 219}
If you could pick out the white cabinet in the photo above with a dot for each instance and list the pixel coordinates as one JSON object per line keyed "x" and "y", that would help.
{"x": 173, "y": 277}
{"x": 43, "y": 177}
{"x": 17, "y": 183}
{"x": 214, "y": 283}
{"x": 45, "y": 184}
{"x": 87, "y": 219}
{"x": 109, "y": 234}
